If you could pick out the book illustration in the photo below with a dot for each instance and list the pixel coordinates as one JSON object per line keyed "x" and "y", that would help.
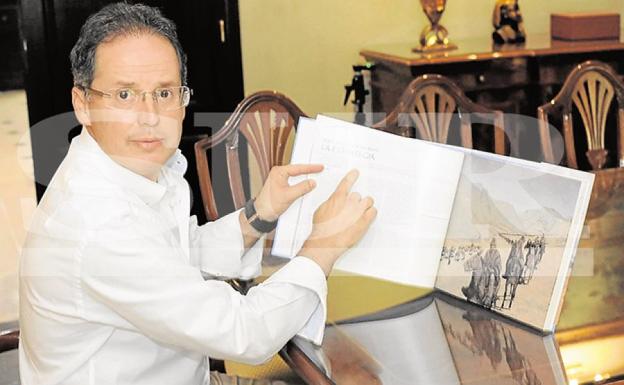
{"x": 508, "y": 237}
{"x": 520, "y": 269}
{"x": 485, "y": 278}
{"x": 514, "y": 268}
{"x": 487, "y": 270}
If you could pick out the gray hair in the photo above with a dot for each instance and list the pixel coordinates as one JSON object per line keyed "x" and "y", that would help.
{"x": 119, "y": 19}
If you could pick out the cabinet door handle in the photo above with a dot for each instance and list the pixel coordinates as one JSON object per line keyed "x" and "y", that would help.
{"x": 222, "y": 30}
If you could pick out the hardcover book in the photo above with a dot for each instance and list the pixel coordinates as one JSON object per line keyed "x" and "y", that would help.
{"x": 493, "y": 230}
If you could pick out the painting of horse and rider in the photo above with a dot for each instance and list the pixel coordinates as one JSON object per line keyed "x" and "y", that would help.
{"x": 511, "y": 239}
{"x": 486, "y": 268}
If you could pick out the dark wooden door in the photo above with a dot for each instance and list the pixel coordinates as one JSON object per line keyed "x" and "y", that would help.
{"x": 12, "y": 63}
{"x": 209, "y": 33}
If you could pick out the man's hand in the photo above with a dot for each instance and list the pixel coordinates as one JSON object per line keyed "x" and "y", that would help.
{"x": 338, "y": 224}
{"x": 277, "y": 195}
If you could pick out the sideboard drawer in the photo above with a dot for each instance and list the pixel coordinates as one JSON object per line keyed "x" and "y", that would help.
{"x": 492, "y": 74}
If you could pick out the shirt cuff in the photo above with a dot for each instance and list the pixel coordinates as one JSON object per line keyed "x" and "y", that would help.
{"x": 222, "y": 250}
{"x": 304, "y": 272}
{"x": 251, "y": 260}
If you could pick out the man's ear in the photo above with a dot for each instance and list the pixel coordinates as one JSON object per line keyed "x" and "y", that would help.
{"x": 79, "y": 102}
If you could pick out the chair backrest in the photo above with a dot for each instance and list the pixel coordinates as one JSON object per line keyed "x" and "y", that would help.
{"x": 427, "y": 106}
{"x": 590, "y": 88}
{"x": 9, "y": 340}
{"x": 266, "y": 119}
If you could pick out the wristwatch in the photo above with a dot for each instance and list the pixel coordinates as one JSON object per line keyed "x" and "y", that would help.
{"x": 254, "y": 220}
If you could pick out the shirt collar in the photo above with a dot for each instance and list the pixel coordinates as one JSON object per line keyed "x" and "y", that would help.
{"x": 148, "y": 191}
{"x": 177, "y": 162}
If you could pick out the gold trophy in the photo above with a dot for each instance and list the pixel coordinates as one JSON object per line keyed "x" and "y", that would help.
{"x": 434, "y": 37}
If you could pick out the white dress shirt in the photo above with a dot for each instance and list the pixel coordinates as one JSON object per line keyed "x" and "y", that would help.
{"x": 111, "y": 287}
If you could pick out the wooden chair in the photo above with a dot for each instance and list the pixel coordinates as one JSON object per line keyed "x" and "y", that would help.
{"x": 590, "y": 89}
{"x": 266, "y": 119}
{"x": 9, "y": 339}
{"x": 427, "y": 106}
{"x": 9, "y": 363}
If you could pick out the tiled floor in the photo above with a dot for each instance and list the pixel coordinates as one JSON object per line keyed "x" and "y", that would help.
{"x": 17, "y": 194}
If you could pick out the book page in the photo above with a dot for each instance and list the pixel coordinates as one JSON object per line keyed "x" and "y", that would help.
{"x": 412, "y": 183}
{"x": 512, "y": 236}
{"x": 572, "y": 243}
{"x": 285, "y": 241}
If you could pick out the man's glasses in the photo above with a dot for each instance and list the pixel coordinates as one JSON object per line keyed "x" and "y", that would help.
{"x": 166, "y": 98}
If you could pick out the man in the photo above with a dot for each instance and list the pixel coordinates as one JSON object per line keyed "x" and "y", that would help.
{"x": 111, "y": 285}
{"x": 491, "y": 272}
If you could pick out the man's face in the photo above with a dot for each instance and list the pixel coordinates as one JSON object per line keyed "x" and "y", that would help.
{"x": 145, "y": 136}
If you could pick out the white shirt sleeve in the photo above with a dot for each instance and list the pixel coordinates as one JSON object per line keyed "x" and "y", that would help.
{"x": 152, "y": 289}
{"x": 297, "y": 273}
{"x": 217, "y": 248}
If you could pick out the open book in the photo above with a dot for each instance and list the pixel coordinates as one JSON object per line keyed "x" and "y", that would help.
{"x": 436, "y": 340}
{"x": 494, "y": 230}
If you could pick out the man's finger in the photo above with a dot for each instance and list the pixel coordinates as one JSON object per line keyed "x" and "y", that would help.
{"x": 299, "y": 189}
{"x": 346, "y": 183}
{"x": 300, "y": 169}
{"x": 367, "y": 202}
{"x": 355, "y": 196}
{"x": 367, "y": 218}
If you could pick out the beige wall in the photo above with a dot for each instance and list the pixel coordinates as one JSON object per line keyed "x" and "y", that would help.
{"x": 305, "y": 48}
{"x": 17, "y": 195}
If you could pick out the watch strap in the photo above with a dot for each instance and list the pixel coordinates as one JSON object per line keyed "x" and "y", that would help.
{"x": 254, "y": 220}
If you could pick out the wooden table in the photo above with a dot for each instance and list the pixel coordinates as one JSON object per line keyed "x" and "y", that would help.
{"x": 438, "y": 339}
{"x": 485, "y": 348}
{"x": 595, "y": 294}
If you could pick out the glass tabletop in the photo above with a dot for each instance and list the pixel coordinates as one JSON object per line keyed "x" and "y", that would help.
{"x": 384, "y": 333}
{"x": 438, "y": 339}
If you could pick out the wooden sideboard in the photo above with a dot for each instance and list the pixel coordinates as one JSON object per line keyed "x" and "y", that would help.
{"x": 514, "y": 78}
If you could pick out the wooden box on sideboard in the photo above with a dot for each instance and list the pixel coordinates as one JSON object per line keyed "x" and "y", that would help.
{"x": 585, "y": 26}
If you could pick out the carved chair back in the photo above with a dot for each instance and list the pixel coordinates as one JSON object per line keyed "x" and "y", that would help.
{"x": 427, "y": 106}
{"x": 266, "y": 119}
{"x": 590, "y": 88}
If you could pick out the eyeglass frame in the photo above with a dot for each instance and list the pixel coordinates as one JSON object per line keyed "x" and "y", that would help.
{"x": 140, "y": 94}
